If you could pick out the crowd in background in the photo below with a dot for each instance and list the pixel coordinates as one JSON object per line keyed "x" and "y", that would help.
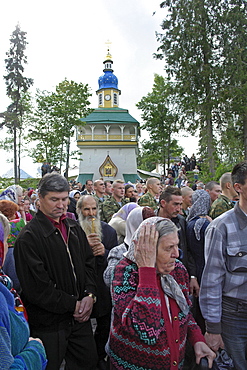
{"x": 110, "y": 213}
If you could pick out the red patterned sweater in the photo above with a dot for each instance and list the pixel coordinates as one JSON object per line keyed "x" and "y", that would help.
{"x": 142, "y": 335}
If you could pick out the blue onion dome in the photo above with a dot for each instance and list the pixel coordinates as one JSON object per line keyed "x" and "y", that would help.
{"x": 108, "y": 80}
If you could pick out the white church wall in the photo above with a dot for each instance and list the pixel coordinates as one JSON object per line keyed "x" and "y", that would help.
{"x": 123, "y": 158}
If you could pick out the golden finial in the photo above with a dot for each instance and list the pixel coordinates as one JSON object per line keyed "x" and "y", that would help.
{"x": 108, "y": 56}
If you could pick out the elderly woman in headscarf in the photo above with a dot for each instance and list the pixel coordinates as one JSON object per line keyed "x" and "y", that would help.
{"x": 133, "y": 221}
{"x": 8, "y": 209}
{"x": 17, "y": 349}
{"x": 197, "y": 222}
{"x": 118, "y": 220}
{"x": 152, "y": 320}
{"x": 15, "y": 193}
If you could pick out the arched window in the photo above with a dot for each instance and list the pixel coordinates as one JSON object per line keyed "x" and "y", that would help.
{"x": 100, "y": 99}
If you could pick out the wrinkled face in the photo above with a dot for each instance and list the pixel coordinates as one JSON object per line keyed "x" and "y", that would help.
{"x": 173, "y": 207}
{"x": 156, "y": 187}
{"x": 119, "y": 190}
{"x": 129, "y": 192}
{"x": 54, "y": 204}
{"x": 108, "y": 188}
{"x": 167, "y": 253}
{"x": 99, "y": 187}
{"x": 89, "y": 207}
{"x": 215, "y": 192}
{"x": 89, "y": 186}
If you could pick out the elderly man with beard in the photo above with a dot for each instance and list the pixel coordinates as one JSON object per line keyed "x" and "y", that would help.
{"x": 101, "y": 238}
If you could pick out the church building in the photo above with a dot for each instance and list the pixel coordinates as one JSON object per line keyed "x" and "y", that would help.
{"x": 109, "y": 139}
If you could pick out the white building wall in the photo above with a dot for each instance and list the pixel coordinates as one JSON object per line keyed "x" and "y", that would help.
{"x": 124, "y": 159}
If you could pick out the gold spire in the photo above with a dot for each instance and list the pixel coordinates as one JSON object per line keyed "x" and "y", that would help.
{"x": 108, "y": 56}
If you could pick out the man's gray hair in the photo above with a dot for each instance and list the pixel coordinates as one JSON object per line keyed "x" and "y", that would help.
{"x": 80, "y": 202}
{"x": 53, "y": 182}
{"x": 84, "y": 222}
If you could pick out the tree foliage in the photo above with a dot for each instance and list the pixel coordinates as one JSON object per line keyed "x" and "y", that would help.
{"x": 44, "y": 131}
{"x": 55, "y": 119}
{"x": 71, "y": 103}
{"x": 151, "y": 151}
{"x": 235, "y": 73}
{"x": 16, "y": 85}
{"x": 204, "y": 46}
{"x": 161, "y": 121}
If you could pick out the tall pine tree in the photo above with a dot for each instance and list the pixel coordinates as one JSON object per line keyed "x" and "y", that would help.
{"x": 17, "y": 85}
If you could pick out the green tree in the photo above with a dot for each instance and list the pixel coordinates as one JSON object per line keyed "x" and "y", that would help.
{"x": 161, "y": 121}
{"x": 17, "y": 85}
{"x": 54, "y": 122}
{"x": 235, "y": 70}
{"x": 71, "y": 103}
{"x": 151, "y": 150}
{"x": 192, "y": 49}
{"x": 45, "y": 131}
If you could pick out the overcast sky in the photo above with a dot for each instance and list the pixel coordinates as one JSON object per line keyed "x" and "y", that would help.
{"x": 67, "y": 40}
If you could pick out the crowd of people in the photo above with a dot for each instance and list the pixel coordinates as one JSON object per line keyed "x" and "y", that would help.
{"x": 159, "y": 267}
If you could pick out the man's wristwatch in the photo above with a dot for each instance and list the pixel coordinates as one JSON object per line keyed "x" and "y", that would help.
{"x": 92, "y": 296}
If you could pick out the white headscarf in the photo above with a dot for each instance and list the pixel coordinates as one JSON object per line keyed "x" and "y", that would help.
{"x": 133, "y": 221}
{"x": 73, "y": 192}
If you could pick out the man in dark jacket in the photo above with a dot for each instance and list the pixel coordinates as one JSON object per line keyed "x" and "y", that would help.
{"x": 102, "y": 238}
{"x": 55, "y": 266}
{"x": 170, "y": 207}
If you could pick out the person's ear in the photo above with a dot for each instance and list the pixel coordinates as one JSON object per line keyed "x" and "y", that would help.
{"x": 238, "y": 187}
{"x": 162, "y": 203}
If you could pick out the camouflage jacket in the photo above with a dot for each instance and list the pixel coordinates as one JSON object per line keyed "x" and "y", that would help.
{"x": 111, "y": 206}
{"x": 148, "y": 200}
{"x": 220, "y": 205}
{"x": 100, "y": 203}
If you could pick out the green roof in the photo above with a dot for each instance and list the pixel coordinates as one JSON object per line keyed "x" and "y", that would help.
{"x": 83, "y": 177}
{"x": 109, "y": 115}
{"x": 132, "y": 177}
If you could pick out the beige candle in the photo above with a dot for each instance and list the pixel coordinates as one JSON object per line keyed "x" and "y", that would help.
{"x": 93, "y": 226}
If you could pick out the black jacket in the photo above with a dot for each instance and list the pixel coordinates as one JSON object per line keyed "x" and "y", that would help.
{"x": 187, "y": 259}
{"x": 103, "y": 305}
{"x": 53, "y": 274}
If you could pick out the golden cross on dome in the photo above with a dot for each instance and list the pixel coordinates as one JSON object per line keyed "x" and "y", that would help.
{"x": 108, "y": 42}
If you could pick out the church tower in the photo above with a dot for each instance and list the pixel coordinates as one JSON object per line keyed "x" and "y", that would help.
{"x": 108, "y": 93}
{"x": 108, "y": 139}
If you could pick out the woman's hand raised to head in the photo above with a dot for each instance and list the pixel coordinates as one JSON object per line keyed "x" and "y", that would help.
{"x": 146, "y": 246}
